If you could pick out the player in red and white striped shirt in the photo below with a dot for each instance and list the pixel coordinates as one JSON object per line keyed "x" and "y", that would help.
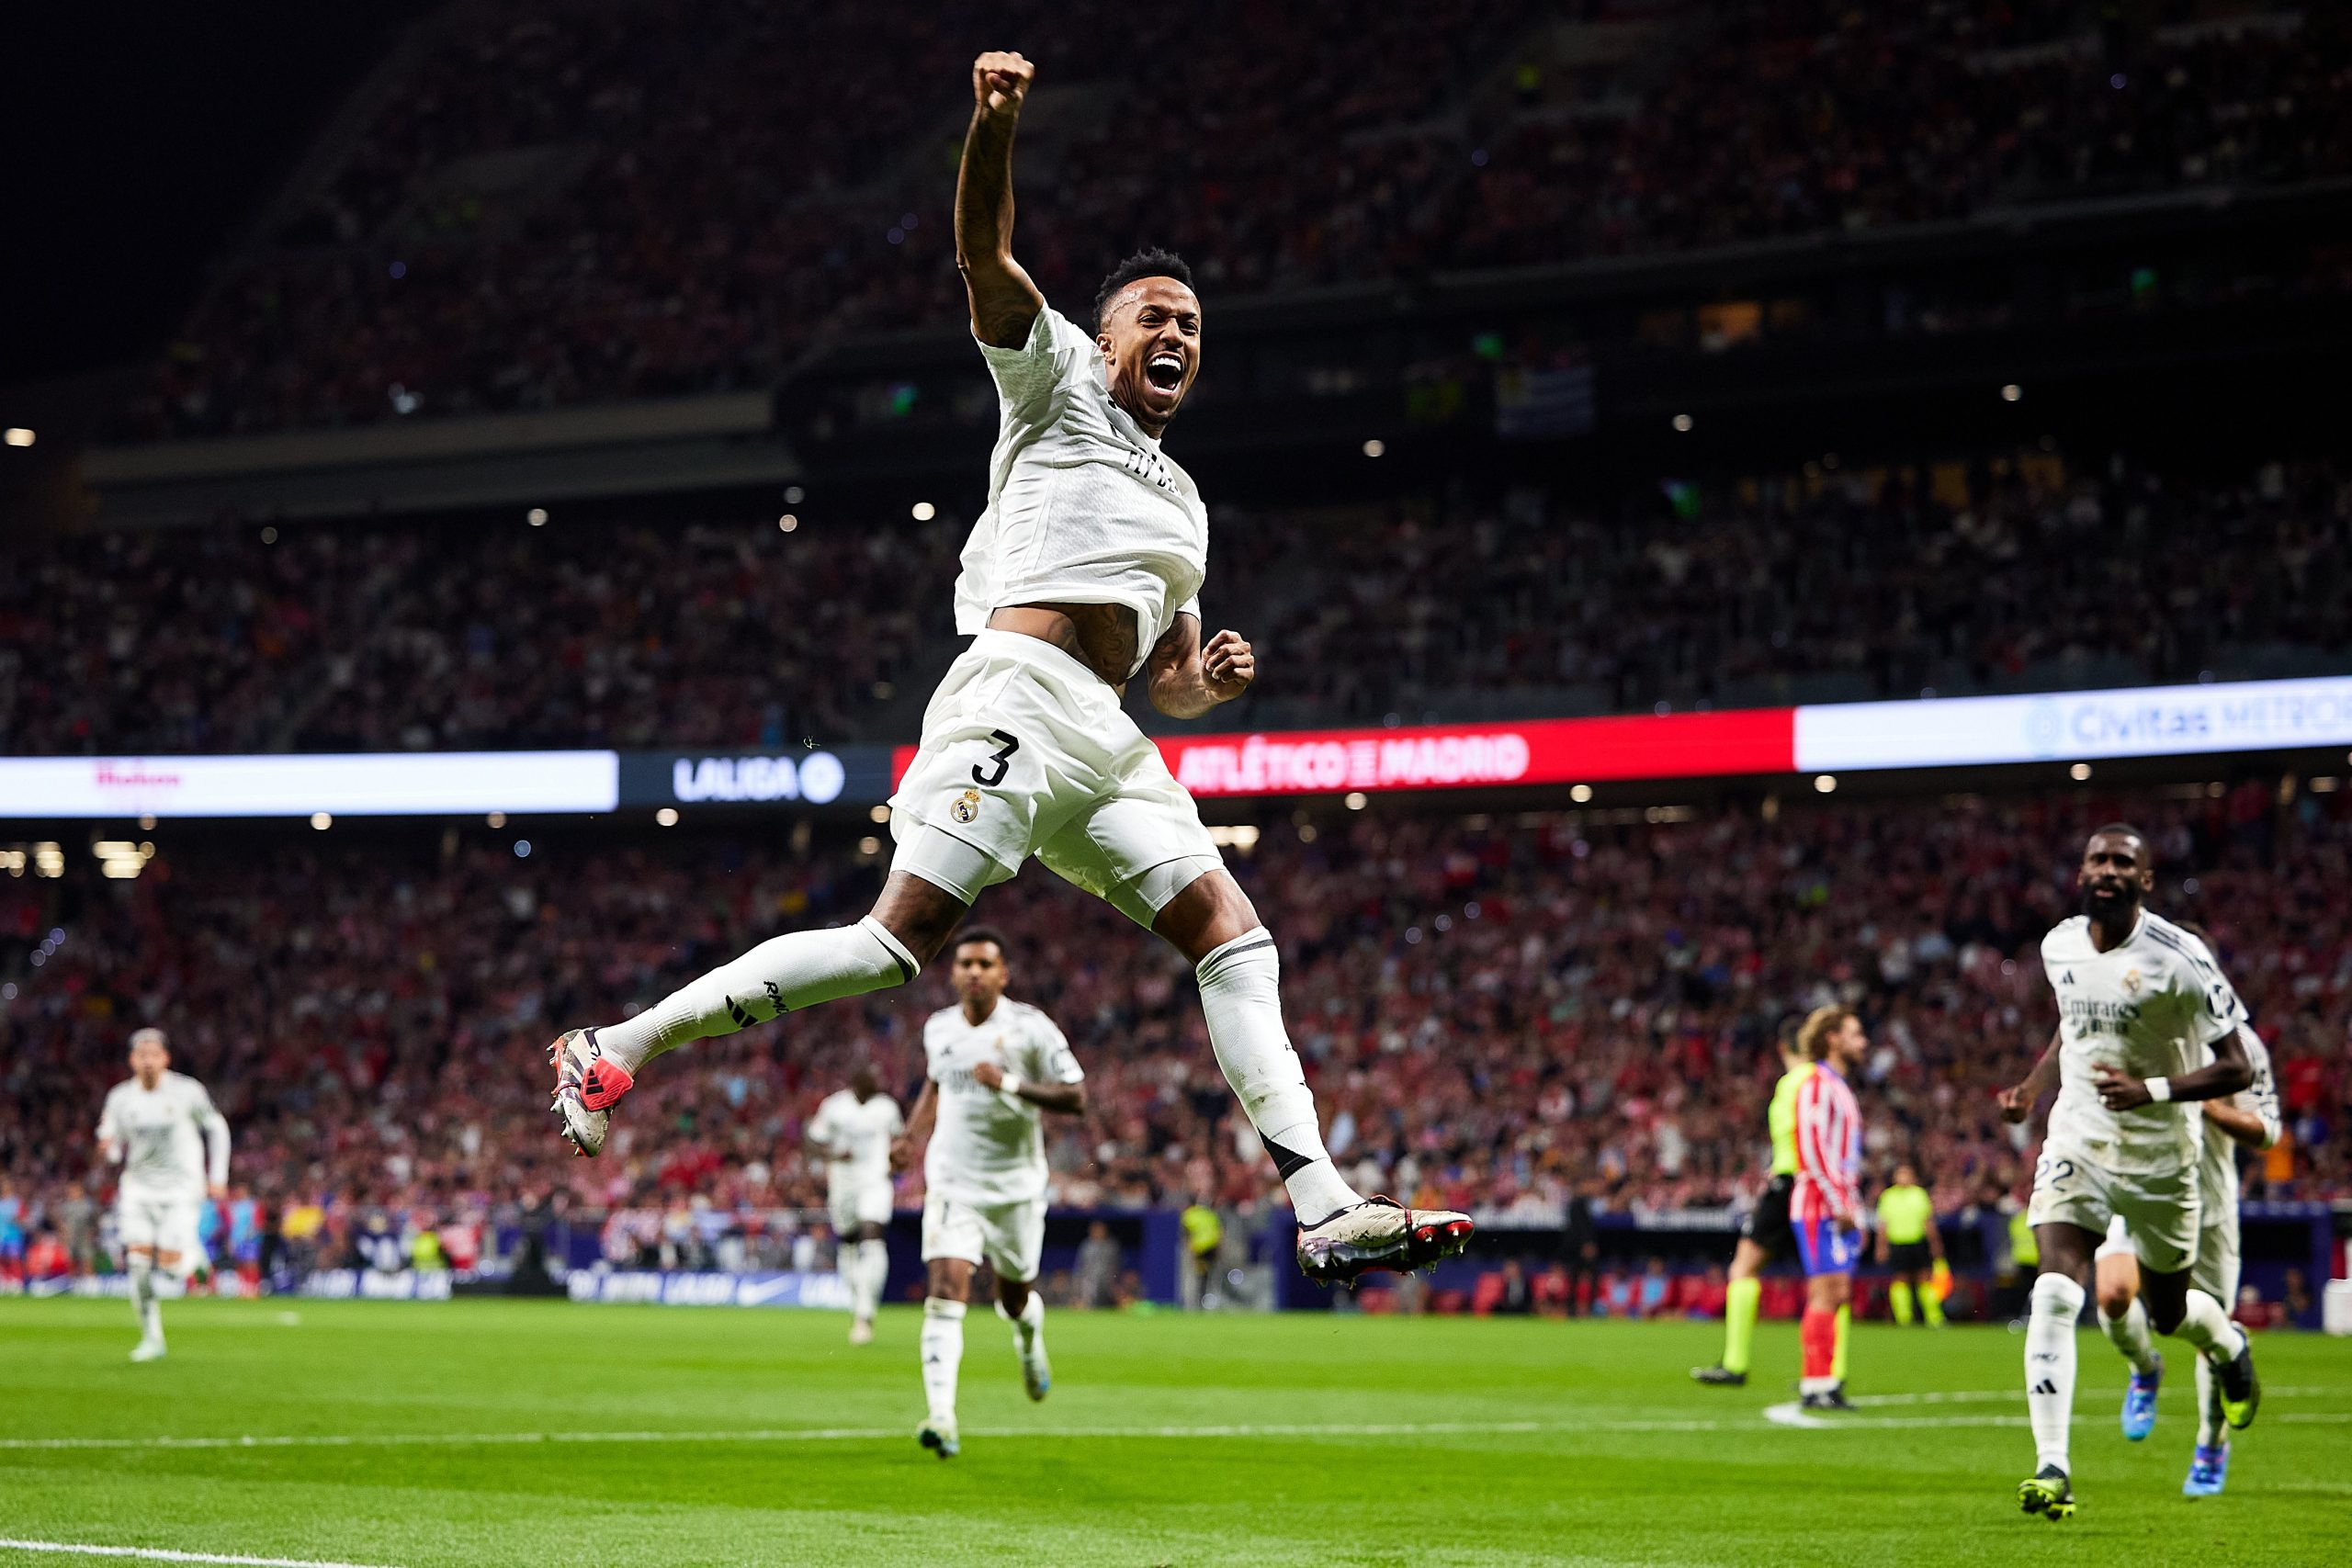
{"x": 1825, "y": 1209}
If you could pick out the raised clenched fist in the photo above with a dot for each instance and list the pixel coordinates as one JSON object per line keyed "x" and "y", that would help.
{"x": 1227, "y": 665}
{"x": 1001, "y": 81}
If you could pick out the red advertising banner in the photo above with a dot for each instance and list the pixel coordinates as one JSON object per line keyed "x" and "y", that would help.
{"x": 1474, "y": 756}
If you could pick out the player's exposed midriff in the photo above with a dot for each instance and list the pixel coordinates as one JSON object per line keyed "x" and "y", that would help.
{"x": 1100, "y": 637}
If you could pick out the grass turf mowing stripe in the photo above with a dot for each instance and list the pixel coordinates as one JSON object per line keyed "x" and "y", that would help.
{"x": 165, "y": 1554}
{"x": 1787, "y": 1415}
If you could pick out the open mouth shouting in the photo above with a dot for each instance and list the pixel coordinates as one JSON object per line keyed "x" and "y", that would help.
{"x": 1164, "y": 371}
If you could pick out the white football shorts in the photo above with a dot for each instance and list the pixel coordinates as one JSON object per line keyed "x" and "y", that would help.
{"x": 1026, "y": 752}
{"x": 166, "y": 1225}
{"x": 2158, "y": 1212}
{"x": 859, "y": 1204}
{"x": 1006, "y": 1236}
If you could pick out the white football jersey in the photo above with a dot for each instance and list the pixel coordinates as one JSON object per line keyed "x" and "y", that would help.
{"x": 2149, "y": 1008}
{"x": 2217, "y": 1170}
{"x": 988, "y": 1146}
{"x": 863, "y": 1131}
{"x": 161, "y": 1134}
{"x": 1084, "y": 507}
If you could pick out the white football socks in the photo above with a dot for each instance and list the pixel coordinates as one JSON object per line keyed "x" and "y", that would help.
{"x": 1241, "y": 995}
{"x": 143, "y": 1302}
{"x": 1029, "y": 1324}
{"x": 2211, "y": 1430}
{"x": 782, "y": 974}
{"x": 943, "y": 1354}
{"x": 2131, "y": 1335}
{"x": 873, "y": 1276}
{"x": 2050, "y": 1365}
{"x": 2207, "y": 1327}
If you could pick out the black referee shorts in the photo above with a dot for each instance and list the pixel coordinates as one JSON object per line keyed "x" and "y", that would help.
{"x": 1909, "y": 1256}
{"x": 1767, "y": 1224}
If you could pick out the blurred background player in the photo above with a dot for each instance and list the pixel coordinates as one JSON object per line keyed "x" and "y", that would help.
{"x": 161, "y": 1127}
{"x": 2139, "y": 1001}
{"x": 1764, "y": 1235}
{"x": 1082, "y": 575}
{"x": 1910, "y": 1244}
{"x": 851, "y": 1133}
{"x": 1826, "y": 1208}
{"x": 2250, "y": 1120}
{"x": 994, "y": 1065}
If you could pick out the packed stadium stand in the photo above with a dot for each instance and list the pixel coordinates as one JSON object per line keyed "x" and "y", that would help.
{"x": 385, "y": 636}
{"x": 530, "y": 207}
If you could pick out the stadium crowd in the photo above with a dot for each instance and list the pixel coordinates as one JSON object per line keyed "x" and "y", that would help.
{"x": 735, "y": 633}
{"x": 1505, "y": 1014}
{"x": 554, "y": 206}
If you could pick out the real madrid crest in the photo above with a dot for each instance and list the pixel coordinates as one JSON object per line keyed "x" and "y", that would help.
{"x": 967, "y": 806}
{"x": 2130, "y": 977}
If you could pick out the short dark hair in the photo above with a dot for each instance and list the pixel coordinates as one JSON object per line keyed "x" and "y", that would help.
{"x": 970, "y": 935}
{"x": 1153, "y": 262}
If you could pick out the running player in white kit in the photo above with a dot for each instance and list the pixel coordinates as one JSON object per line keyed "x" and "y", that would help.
{"x": 1080, "y": 576}
{"x": 851, "y": 1133}
{"x": 2140, "y": 1005}
{"x": 2251, "y": 1120}
{"x": 160, "y": 1126}
{"x": 993, "y": 1066}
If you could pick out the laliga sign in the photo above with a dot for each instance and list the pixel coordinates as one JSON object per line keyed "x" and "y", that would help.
{"x": 816, "y": 778}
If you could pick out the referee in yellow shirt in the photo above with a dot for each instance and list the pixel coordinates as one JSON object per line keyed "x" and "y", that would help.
{"x": 1909, "y": 1243}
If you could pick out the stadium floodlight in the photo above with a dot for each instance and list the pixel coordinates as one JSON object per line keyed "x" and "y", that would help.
{"x": 787, "y": 522}
{"x": 1356, "y": 800}
{"x": 924, "y": 511}
{"x": 1580, "y": 793}
{"x": 667, "y": 817}
{"x": 321, "y": 820}
{"x": 17, "y": 436}
{"x": 536, "y": 517}
{"x": 1376, "y": 447}
{"x": 2012, "y": 392}
{"x": 1827, "y": 784}
{"x": 1683, "y": 422}
{"x": 2079, "y": 772}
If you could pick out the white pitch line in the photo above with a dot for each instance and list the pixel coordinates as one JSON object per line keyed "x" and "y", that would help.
{"x": 164, "y": 1554}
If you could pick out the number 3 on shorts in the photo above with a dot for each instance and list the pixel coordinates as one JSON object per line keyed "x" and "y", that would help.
{"x": 1002, "y": 757}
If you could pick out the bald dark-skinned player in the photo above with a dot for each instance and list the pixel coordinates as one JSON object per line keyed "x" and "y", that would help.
{"x": 2141, "y": 1004}
{"x": 1083, "y": 574}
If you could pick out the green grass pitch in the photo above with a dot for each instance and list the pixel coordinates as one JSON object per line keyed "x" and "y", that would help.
{"x": 419, "y": 1435}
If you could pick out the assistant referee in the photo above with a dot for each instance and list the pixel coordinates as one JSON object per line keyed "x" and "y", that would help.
{"x": 1908, "y": 1243}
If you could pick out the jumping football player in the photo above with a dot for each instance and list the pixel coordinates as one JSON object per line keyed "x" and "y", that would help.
{"x": 2139, "y": 1002}
{"x": 1082, "y": 576}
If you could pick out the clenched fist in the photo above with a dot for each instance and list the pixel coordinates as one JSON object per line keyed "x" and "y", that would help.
{"x": 1227, "y": 666}
{"x": 1001, "y": 81}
